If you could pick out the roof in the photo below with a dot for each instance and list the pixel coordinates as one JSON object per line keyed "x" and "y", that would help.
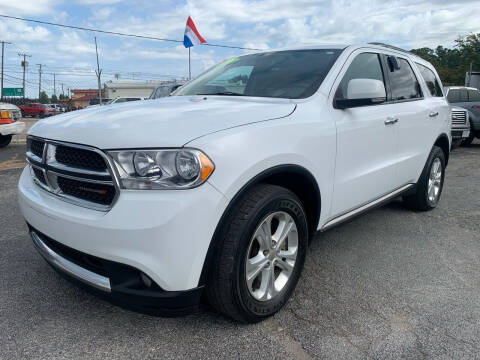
{"x": 460, "y": 87}
{"x": 80, "y": 91}
{"x": 135, "y": 84}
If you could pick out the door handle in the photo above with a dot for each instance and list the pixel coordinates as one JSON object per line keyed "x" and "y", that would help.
{"x": 433, "y": 114}
{"x": 391, "y": 120}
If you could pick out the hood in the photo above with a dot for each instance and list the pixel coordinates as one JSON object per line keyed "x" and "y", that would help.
{"x": 167, "y": 122}
{"x": 7, "y": 106}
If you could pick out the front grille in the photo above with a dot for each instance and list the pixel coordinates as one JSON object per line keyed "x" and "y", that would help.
{"x": 39, "y": 175}
{"x": 97, "y": 193}
{"x": 459, "y": 117}
{"x": 77, "y": 173}
{"x": 80, "y": 158}
{"x": 36, "y": 147}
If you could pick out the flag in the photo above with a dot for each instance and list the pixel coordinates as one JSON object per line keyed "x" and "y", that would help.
{"x": 192, "y": 36}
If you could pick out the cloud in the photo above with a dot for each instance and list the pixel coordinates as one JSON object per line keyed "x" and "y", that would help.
{"x": 27, "y": 7}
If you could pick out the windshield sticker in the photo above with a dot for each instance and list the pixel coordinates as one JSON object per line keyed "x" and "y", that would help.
{"x": 229, "y": 61}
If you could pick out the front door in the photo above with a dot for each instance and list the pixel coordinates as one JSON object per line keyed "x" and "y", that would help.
{"x": 366, "y": 141}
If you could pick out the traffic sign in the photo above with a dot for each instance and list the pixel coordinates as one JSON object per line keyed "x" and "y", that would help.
{"x": 12, "y": 91}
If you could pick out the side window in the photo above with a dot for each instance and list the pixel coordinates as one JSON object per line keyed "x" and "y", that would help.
{"x": 473, "y": 95}
{"x": 364, "y": 66}
{"x": 404, "y": 83}
{"x": 453, "y": 96}
{"x": 431, "y": 80}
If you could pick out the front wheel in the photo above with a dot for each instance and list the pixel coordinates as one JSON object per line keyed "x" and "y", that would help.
{"x": 261, "y": 253}
{"x": 5, "y": 140}
{"x": 430, "y": 185}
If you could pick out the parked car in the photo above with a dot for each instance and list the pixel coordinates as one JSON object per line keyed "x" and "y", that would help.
{"x": 218, "y": 188}
{"x": 96, "y": 102}
{"x": 34, "y": 109}
{"x": 460, "y": 126}
{"x": 467, "y": 98}
{"x": 50, "y": 110}
{"x": 164, "y": 90}
{"x": 10, "y": 124}
{"x": 58, "y": 108}
{"x": 120, "y": 100}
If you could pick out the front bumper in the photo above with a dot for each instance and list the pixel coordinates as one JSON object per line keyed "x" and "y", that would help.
{"x": 12, "y": 129}
{"x": 120, "y": 284}
{"x": 164, "y": 234}
{"x": 460, "y": 133}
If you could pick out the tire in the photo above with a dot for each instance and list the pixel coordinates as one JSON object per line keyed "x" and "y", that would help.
{"x": 5, "y": 140}
{"x": 23, "y": 114}
{"x": 227, "y": 289}
{"x": 41, "y": 115}
{"x": 468, "y": 141}
{"x": 423, "y": 200}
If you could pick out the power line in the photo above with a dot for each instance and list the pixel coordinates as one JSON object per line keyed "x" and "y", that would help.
{"x": 119, "y": 33}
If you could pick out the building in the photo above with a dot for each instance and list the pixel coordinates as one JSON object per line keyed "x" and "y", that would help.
{"x": 81, "y": 97}
{"x": 125, "y": 88}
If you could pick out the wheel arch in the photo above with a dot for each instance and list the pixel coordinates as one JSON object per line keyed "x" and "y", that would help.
{"x": 443, "y": 143}
{"x": 296, "y": 178}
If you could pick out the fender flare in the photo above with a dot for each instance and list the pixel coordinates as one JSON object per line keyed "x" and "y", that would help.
{"x": 216, "y": 238}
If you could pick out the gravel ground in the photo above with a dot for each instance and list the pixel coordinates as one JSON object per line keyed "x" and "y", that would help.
{"x": 390, "y": 284}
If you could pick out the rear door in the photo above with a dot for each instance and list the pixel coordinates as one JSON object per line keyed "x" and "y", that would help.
{"x": 366, "y": 144}
{"x": 420, "y": 116}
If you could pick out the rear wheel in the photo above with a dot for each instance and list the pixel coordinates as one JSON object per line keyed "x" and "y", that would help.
{"x": 41, "y": 115}
{"x": 260, "y": 256}
{"x": 5, "y": 140}
{"x": 23, "y": 114}
{"x": 430, "y": 185}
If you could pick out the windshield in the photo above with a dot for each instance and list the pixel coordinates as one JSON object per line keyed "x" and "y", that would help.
{"x": 292, "y": 74}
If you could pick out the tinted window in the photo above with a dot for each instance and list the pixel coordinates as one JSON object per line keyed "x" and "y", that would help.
{"x": 473, "y": 95}
{"x": 404, "y": 83}
{"x": 292, "y": 74}
{"x": 431, "y": 80}
{"x": 453, "y": 95}
{"x": 364, "y": 66}
{"x": 133, "y": 99}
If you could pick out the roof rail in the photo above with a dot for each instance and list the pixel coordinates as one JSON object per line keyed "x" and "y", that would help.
{"x": 391, "y": 47}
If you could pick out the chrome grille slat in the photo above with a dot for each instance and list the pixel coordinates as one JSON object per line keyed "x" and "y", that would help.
{"x": 459, "y": 117}
{"x": 94, "y": 188}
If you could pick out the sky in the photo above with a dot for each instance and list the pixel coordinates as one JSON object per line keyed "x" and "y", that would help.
{"x": 70, "y": 54}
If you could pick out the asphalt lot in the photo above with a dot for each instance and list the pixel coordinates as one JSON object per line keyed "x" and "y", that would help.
{"x": 390, "y": 284}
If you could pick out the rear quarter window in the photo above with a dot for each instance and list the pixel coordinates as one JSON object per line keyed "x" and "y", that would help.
{"x": 431, "y": 80}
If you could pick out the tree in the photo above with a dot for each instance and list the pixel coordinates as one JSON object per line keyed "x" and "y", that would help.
{"x": 54, "y": 99}
{"x": 452, "y": 64}
{"x": 43, "y": 98}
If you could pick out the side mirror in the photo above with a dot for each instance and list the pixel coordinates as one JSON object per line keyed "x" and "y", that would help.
{"x": 361, "y": 92}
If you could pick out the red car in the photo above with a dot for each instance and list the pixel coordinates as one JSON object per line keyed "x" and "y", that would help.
{"x": 36, "y": 109}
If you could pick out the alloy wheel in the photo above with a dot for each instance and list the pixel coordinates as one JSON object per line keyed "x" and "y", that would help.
{"x": 271, "y": 256}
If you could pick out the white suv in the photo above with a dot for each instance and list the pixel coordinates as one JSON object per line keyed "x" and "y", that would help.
{"x": 218, "y": 188}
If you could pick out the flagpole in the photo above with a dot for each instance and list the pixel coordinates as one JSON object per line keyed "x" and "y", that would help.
{"x": 189, "y": 66}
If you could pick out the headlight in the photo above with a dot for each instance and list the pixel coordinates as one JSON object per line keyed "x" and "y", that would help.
{"x": 161, "y": 169}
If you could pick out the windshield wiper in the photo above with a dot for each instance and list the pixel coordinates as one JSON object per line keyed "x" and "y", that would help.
{"x": 226, "y": 93}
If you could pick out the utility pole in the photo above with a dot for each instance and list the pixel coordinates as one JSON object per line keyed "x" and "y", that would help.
{"x": 470, "y": 75}
{"x": 3, "y": 49}
{"x": 62, "y": 90}
{"x": 54, "y": 88}
{"x": 99, "y": 73}
{"x": 39, "y": 80}
{"x": 24, "y": 66}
